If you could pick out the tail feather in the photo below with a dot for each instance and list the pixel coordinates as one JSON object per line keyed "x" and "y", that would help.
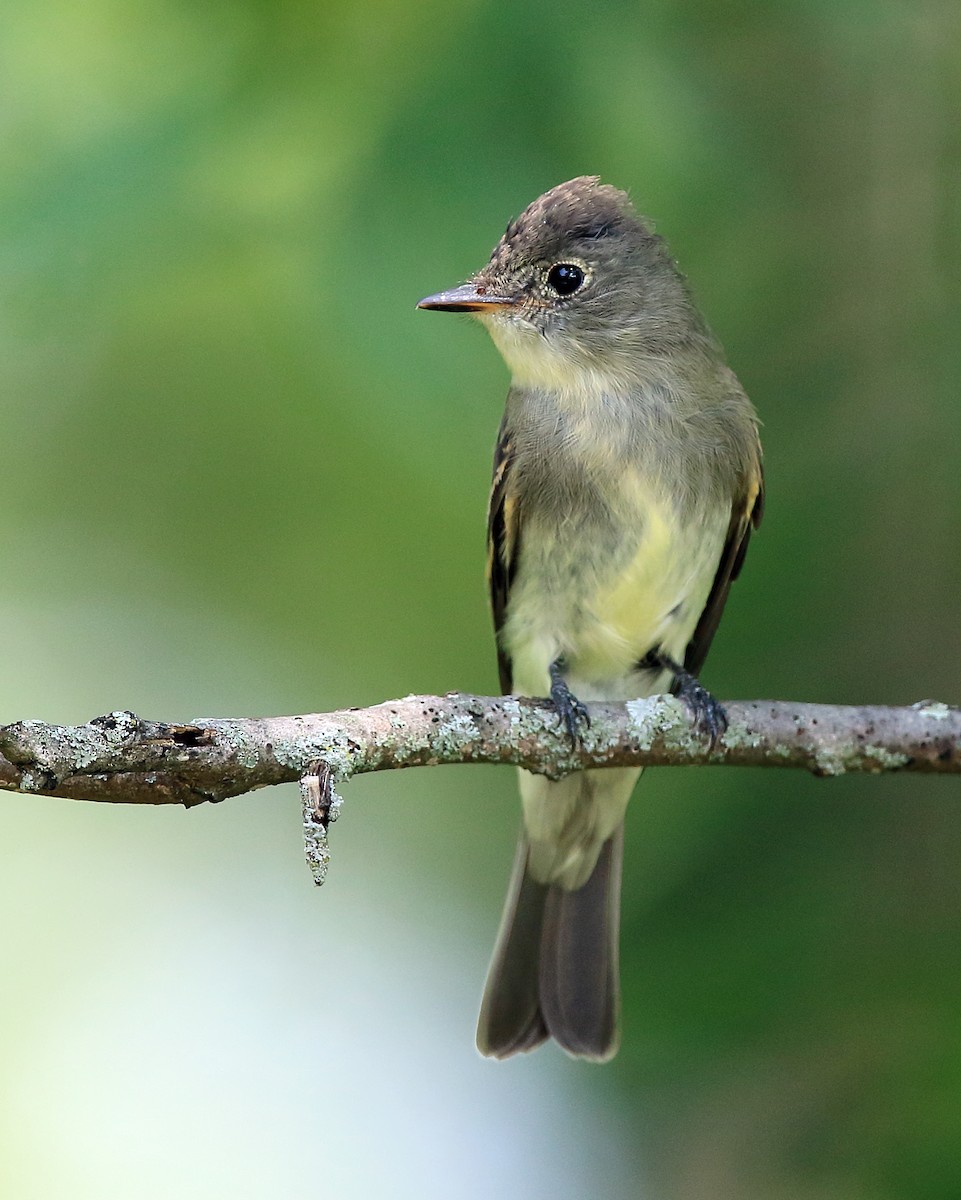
{"x": 579, "y": 972}
{"x": 555, "y": 967}
{"x": 510, "y": 1018}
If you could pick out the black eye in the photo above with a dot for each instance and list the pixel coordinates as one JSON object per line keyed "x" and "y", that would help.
{"x": 565, "y": 278}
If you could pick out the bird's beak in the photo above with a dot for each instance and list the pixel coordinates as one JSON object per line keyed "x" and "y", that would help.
{"x": 469, "y": 297}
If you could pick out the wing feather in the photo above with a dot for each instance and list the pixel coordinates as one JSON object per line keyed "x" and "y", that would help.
{"x": 745, "y": 517}
{"x": 502, "y": 545}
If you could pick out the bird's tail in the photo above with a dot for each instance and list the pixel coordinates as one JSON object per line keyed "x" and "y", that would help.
{"x": 554, "y": 972}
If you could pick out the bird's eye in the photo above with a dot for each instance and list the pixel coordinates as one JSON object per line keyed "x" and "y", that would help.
{"x": 565, "y": 278}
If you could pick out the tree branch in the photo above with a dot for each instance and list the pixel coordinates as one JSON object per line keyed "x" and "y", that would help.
{"x": 123, "y": 759}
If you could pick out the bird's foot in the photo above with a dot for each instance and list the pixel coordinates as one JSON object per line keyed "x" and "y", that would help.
{"x": 710, "y": 719}
{"x": 570, "y": 710}
{"x": 709, "y": 716}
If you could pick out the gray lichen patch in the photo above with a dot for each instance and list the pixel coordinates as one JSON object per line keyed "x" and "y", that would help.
{"x": 665, "y": 719}
{"x": 934, "y": 708}
{"x": 886, "y": 760}
{"x": 316, "y": 851}
{"x": 829, "y": 761}
{"x": 242, "y": 748}
{"x": 453, "y": 731}
{"x": 645, "y": 722}
{"x": 51, "y": 752}
{"x": 739, "y": 733}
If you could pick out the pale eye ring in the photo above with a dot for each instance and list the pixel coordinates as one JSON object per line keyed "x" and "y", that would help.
{"x": 565, "y": 278}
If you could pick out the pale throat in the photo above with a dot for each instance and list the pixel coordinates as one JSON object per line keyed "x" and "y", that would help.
{"x": 541, "y": 363}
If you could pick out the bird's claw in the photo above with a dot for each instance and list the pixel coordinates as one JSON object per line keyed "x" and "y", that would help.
{"x": 571, "y": 711}
{"x": 710, "y": 719}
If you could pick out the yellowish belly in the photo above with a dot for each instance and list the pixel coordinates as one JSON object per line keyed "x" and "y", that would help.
{"x": 608, "y": 616}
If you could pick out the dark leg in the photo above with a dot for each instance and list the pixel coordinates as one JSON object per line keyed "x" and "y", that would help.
{"x": 709, "y": 717}
{"x": 569, "y": 708}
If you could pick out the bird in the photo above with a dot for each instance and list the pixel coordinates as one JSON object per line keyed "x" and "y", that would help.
{"x": 627, "y": 481}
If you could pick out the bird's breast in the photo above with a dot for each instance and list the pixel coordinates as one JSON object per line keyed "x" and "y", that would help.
{"x": 610, "y": 565}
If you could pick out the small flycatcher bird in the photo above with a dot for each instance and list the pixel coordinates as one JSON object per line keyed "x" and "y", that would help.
{"x": 627, "y": 479}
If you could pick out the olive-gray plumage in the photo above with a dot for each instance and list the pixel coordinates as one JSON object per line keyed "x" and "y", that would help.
{"x": 627, "y": 478}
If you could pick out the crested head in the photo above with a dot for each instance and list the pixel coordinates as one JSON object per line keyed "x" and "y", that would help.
{"x": 584, "y": 287}
{"x": 574, "y": 215}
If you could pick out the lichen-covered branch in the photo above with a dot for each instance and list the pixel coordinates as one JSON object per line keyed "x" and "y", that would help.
{"x": 125, "y": 759}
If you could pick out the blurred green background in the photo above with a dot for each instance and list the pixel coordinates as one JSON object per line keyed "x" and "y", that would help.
{"x": 241, "y": 475}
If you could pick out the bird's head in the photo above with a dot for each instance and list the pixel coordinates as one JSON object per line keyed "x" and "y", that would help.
{"x": 579, "y": 283}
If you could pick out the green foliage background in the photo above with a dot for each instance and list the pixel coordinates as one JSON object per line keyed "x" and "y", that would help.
{"x": 241, "y": 475}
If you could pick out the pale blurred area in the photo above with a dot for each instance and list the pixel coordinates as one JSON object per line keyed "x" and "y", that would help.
{"x": 241, "y": 475}
{"x": 185, "y": 1014}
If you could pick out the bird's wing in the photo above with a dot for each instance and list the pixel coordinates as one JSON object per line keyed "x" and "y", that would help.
{"x": 502, "y": 545}
{"x": 745, "y": 516}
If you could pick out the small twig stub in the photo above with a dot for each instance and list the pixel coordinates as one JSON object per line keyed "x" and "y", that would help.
{"x": 321, "y": 805}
